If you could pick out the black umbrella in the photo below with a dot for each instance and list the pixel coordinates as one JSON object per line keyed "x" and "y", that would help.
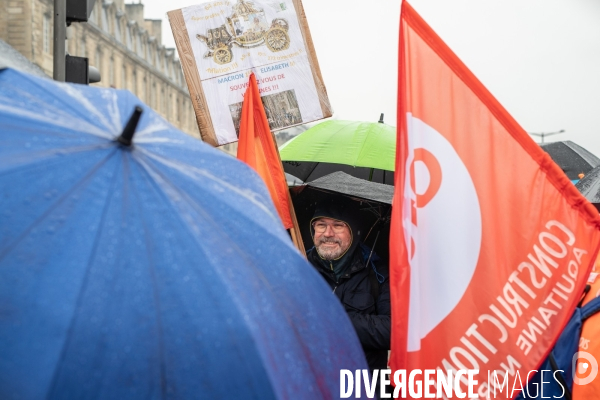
{"x": 571, "y": 158}
{"x": 373, "y": 201}
{"x": 311, "y": 170}
{"x": 589, "y": 186}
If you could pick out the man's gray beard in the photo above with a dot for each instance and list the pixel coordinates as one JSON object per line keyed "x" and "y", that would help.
{"x": 330, "y": 254}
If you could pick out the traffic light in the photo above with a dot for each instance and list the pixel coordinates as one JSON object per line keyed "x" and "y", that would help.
{"x": 70, "y": 68}
{"x": 76, "y": 70}
{"x": 79, "y": 10}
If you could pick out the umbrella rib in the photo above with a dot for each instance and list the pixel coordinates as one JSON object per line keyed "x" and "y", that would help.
{"x": 152, "y": 174}
{"x": 11, "y": 246}
{"x": 312, "y": 170}
{"x": 152, "y": 271}
{"x": 190, "y": 171}
{"x": 42, "y": 156}
{"x": 301, "y": 144}
{"x": 150, "y": 170}
{"x": 362, "y": 150}
{"x": 183, "y": 195}
{"x": 76, "y": 97}
{"x": 53, "y": 382}
{"x": 338, "y": 131}
{"x": 365, "y": 148}
{"x": 216, "y": 227}
{"x": 66, "y": 123}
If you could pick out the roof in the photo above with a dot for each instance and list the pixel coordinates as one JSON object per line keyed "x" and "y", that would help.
{"x": 11, "y": 58}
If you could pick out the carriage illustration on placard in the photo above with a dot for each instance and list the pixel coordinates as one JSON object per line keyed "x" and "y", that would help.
{"x": 246, "y": 27}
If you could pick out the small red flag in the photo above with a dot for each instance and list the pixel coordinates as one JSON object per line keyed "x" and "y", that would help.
{"x": 257, "y": 148}
{"x": 491, "y": 244}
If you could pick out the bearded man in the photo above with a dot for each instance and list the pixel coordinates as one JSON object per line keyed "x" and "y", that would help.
{"x": 355, "y": 274}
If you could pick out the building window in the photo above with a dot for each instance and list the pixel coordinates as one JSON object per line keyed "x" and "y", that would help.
{"x": 94, "y": 14}
{"x": 169, "y": 104}
{"x": 145, "y": 92}
{"x": 105, "y": 26}
{"x": 46, "y": 26}
{"x": 124, "y": 77}
{"x": 128, "y": 41}
{"x": 138, "y": 42}
{"x": 111, "y": 72}
{"x": 82, "y": 48}
{"x": 118, "y": 30}
{"x": 135, "y": 85}
{"x": 98, "y": 60}
{"x": 153, "y": 102}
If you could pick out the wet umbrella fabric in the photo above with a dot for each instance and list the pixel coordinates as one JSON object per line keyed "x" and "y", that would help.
{"x": 340, "y": 182}
{"x": 156, "y": 271}
{"x": 571, "y": 158}
{"x": 362, "y": 149}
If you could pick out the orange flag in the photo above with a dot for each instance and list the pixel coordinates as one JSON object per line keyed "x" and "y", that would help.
{"x": 491, "y": 244}
{"x": 257, "y": 148}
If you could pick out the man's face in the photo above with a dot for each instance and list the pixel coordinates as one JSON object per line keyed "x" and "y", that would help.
{"x": 332, "y": 238}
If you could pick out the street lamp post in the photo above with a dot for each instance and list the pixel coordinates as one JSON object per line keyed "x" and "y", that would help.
{"x": 544, "y": 134}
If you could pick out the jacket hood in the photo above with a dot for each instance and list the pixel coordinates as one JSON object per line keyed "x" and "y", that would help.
{"x": 347, "y": 211}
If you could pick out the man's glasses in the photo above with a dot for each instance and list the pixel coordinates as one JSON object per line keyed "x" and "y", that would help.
{"x": 321, "y": 227}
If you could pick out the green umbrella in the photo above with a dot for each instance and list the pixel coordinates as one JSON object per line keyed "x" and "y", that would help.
{"x": 365, "y": 150}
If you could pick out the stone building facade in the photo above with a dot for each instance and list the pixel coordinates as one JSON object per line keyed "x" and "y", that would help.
{"x": 117, "y": 40}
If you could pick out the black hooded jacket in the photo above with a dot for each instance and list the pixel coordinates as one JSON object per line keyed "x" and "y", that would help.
{"x": 363, "y": 289}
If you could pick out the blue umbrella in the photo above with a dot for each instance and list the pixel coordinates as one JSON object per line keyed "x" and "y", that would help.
{"x": 151, "y": 271}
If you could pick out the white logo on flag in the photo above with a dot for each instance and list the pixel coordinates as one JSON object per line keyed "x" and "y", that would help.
{"x": 442, "y": 225}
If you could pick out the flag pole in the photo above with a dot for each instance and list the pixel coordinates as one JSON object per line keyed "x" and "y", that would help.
{"x": 255, "y": 125}
{"x": 294, "y": 230}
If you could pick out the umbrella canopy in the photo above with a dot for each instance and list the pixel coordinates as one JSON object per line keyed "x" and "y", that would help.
{"x": 571, "y": 158}
{"x": 373, "y": 204}
{"x": 362, "y": 149}
{"x": 340, "y": 182}
{"x": 156, "y": 270}
{"x": 589, "y": 186}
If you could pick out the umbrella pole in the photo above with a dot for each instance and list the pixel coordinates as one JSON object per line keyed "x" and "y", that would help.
{"x": 373, "y": 248}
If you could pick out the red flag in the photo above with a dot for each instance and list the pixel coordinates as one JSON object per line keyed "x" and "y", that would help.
{"x": 491, "y": 244}
{"x": 257, "y": 148}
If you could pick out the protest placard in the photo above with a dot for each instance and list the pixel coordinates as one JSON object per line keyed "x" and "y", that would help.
{"x": 221, "y": 43}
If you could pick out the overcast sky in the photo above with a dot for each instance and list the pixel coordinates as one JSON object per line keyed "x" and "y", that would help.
{"x": 540, "y": 58}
